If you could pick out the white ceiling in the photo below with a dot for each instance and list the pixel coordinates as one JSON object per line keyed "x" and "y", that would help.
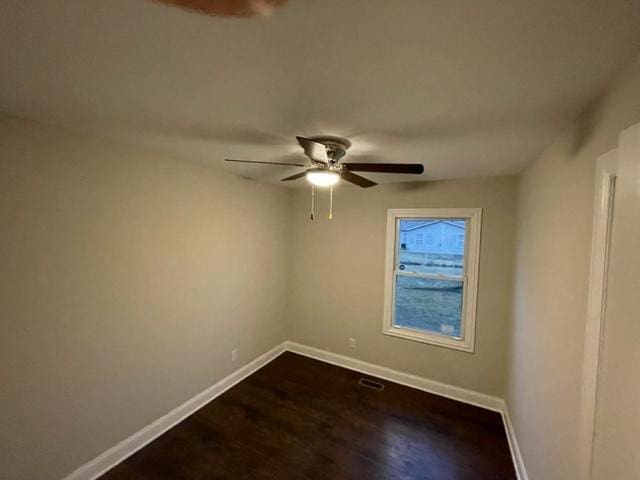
{"x": 468, "y": 88}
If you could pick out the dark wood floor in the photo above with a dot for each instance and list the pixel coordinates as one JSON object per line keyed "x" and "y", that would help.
{"x": 301, "y": 419}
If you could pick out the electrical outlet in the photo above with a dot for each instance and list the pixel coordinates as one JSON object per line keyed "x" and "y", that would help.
{"x": 234, "y": 355}
{"x": 352, "y": 343}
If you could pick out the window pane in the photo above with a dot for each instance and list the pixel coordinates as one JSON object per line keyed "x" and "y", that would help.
{"x": 432, "y": 245}
{"x": 434, "y": 306}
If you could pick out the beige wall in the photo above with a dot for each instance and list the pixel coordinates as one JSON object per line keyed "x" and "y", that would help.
{"x": 337, "y": 288}
{"x": 126, "y": 280}
{"x": 553, "y": 245}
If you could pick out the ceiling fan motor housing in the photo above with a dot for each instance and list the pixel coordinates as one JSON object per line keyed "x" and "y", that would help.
{"x": 336, "y": 146}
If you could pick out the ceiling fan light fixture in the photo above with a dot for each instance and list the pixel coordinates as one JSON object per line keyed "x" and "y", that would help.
{"x": 322, "y": 178}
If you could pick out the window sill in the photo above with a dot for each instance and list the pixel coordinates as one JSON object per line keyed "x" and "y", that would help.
{"x": 431, "y": 339}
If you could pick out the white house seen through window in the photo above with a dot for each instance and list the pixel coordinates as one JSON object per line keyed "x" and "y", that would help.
{"x": 430, "y": 292}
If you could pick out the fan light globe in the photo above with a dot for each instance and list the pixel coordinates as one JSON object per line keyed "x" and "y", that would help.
{"x": 322, "y": 178}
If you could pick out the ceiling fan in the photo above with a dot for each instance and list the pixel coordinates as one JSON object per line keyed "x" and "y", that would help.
{"x": 325, "y": 169}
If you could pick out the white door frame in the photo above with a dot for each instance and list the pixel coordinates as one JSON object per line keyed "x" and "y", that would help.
{"x": 606, "y": 173}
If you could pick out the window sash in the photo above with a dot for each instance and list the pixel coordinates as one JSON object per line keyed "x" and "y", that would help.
{"x": 433, "y": 276}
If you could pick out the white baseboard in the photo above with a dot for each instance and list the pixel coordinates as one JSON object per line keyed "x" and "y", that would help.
{"x": 516, "y": 455}
{"x": 135, "y": 442}
{"x": 431, "y": 386}
{"x": 126, "y": 448}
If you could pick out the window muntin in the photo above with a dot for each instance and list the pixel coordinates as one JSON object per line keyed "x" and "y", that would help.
{"x": 431, "y": 285}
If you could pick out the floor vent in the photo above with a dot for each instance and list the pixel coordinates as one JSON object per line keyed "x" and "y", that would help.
{"x": 365, "y": 382}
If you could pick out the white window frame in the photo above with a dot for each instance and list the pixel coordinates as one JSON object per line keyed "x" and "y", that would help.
{"x": 473, "y": 218}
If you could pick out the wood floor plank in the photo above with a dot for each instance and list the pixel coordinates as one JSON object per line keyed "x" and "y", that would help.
{"x": 301, "y": 419}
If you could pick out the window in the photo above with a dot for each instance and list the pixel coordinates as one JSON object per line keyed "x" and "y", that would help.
{"x": 430, "y": 293}
{"x": 420, "y": 239}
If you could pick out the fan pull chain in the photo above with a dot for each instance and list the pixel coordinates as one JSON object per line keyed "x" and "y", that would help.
{"x": 331, "y": 202}
{"x": 313, "y": 201}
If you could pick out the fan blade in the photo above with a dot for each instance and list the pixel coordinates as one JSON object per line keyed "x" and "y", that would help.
{"x": 357, "y": 179}
{"x": 266, "y": 163}
{"x": 294, "y": 177}
{"x": 415, "y": 168}
{"x": 316, "y": 151}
